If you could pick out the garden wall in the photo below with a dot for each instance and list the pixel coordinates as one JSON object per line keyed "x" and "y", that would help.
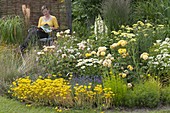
{"x": 62, "y": 10}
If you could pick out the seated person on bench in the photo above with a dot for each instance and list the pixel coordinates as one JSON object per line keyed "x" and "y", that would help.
{"x": 48, "y": 20}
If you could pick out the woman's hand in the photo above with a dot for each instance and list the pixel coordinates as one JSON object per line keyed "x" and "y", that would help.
{"x": 52, "y": 28}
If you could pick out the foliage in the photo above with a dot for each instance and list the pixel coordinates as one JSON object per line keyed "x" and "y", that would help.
{"x": 147, "y": 94}
{"x": 84, "y": 13}
{"x": 165, "y": 95}
{"x": 4, "y": 87}
{"x": 157, "y": 11}
{"x": 139, "y": 38}
{"x": 115, "y": 13}
{"x": 9, "y": 63}
{"x": 125, "y": 53}
{"x": 159, "y": 62}
{"x": 11, "y": 29}
{"x": 60, "y": 59}
{"x": 118, "y": 87}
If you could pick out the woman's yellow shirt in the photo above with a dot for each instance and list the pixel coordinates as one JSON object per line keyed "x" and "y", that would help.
{"x": 52, "y": 22}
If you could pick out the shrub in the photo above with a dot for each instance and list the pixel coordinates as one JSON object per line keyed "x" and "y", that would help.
{"x": 130, "y": 99}
{"x": 165, "y": 95}
{"x": 147, "y": 94}
{"x": 118, "y": 87}
{"x": 159, "y": 60}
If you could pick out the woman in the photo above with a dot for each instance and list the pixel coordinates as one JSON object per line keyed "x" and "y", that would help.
{"x": 47, "y": 19}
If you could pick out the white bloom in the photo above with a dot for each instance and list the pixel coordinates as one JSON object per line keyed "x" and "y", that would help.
{"x": 67, "y": 31}
{"x": 89, "y": 64}
{"x": 129, "y": 85}
{"x": 40, "y": 53}
{"x": 64, "y": 55}
{"x": 83, "y": 67}
{"x": 158, "y": 41}
{"x": 167, "y": 39}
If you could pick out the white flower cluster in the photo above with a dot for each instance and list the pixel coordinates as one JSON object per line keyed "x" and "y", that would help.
{"x": 63, "y": 33}
{"x": 82, "y": 45}
{"x": 161, "y": 59}
{"x": 87, "y": 62}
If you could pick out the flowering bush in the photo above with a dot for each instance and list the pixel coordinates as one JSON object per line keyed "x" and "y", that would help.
{"x": 125, "y": 53}
{"x": 59, "y": 92}
{"x": 159, "y": 60}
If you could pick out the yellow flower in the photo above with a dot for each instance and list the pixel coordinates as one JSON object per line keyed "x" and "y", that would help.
{"x": 140, "y": 23}
{"x": 40, "y": 77}
{"x": 148, "y": 25}
{"x": 144, "y": 56}
{"x": 145, "y": 35}
{"x": 121, "y": 51}
{"x": 130, "y": 67}
{"x": 115, "y": 33}
{"x": 122, "y": 43}
{"x": 88, "y": 54}
{"x": 28, "y": 105}
{"x": 124, "y": 75}
{"x": 54, "y": 75}
{"x": 14, "y": 83}
{"x": 102, "y": 53}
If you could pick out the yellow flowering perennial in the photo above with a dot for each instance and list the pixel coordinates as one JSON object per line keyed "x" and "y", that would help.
{"x": 59, "y": 92}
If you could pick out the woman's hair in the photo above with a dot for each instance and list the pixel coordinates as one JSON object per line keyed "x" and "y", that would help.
{"x": 44, "y": 7}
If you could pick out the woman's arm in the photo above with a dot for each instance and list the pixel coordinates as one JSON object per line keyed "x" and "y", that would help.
{"x": 55, "y": 23}
{"x": 39, "y": 22}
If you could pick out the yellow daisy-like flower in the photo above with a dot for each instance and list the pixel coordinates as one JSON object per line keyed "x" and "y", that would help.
{"x": 124, "y": 75}
{"x": 122, "y": 43}
{"x": 121, "y": 51}
{"x": 130, "y": 67}
{"x": 88, "y": 54}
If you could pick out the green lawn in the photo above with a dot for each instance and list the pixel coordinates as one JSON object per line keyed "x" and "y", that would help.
{"x": 12, "y": 106}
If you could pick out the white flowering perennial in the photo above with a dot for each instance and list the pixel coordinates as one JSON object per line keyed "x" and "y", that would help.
{"x": 161, "y": 57}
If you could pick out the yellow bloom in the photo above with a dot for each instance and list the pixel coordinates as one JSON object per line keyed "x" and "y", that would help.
{"x": 130, "y": 67}
{"x": 122, "y": 43}
{"x": 115, "y": 33}
{"x": 140, "y": 23}
{"x": 148, "y": 25}
{"x": 145, "y": 35}
{"x": 121, "y": 51}
{"x": 88, "y": 54}
{"x": 124, "y": 75}
{"x": 102, "y": 53}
